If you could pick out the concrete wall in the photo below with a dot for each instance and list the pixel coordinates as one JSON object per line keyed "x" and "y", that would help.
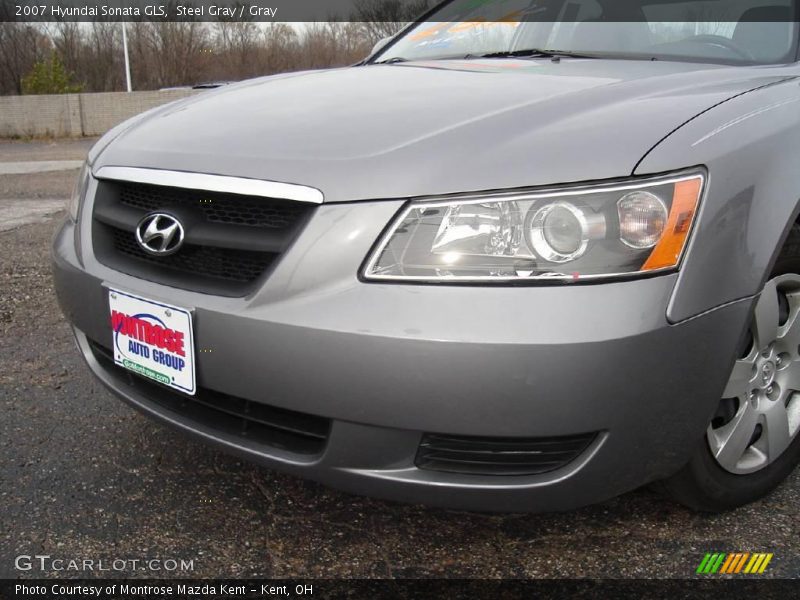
{"x": 75, "y": 115}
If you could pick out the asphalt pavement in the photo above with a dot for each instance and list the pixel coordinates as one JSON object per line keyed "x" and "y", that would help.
{"x": 83, "y": 476}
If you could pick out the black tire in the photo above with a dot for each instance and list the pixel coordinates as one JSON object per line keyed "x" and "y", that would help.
{"x": 703, "y": 484}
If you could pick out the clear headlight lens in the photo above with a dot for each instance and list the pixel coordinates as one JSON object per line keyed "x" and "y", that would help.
{"x": 642, "y": 219}
{"x": 571, "y": 234}
{"x": 78, "y": 192}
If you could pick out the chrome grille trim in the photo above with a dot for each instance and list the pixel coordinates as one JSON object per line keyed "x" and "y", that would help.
{"x": 213, "y": 183}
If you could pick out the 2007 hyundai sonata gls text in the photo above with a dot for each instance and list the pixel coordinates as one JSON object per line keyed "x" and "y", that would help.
{"x": 502, "y": 264}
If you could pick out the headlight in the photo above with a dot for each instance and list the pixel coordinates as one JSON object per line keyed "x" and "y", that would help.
{"x": 571, "y": 234}
{"x": 78, "y": 192}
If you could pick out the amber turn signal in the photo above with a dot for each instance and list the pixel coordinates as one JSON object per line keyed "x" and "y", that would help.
{"x": 669, "y": 249}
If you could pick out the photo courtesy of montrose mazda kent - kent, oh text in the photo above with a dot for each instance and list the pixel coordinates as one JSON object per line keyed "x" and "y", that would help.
{"x": 520, "y": 263}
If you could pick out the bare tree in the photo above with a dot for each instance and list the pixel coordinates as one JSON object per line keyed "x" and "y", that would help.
{"x": 22, "y": 45}
{"x": 281, "y": 48}
{"x": 333, "y": 44}
{"x": 104, "y": 69}
{"x": 237, "y": 47}
{"x": 67, "y": 38}
{"x": 384, "y": 18}
{"x": 169, "y": 53}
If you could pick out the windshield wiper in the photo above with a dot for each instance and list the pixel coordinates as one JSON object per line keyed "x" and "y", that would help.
{"x": 391, "y": 61}
{"x": 531, "y": 52}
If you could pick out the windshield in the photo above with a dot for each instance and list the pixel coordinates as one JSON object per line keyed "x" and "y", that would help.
{"x": 722, "y": 31}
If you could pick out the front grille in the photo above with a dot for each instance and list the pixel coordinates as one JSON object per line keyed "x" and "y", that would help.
{"x": 222, "y": 263}
{"x": 250, "y": 423}
{"x": 215, "y": 207}
{"x": 231, "y": 240}
{"x": 499, "y": 456}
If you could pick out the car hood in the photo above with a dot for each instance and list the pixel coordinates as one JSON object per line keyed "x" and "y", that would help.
{"x": 426, "y": 128}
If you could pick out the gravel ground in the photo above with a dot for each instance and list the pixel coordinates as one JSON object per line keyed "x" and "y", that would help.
{"x": 56, "y": 184}
{"x": 37, "y": 186}
{"x": 83, "y": 476}
{"x": 60, "y": 149}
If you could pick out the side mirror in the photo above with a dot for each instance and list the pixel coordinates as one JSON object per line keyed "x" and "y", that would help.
{"x": 380, "y": 44}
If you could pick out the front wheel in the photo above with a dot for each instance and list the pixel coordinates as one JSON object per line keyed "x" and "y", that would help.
{"x": 752, "y": 442}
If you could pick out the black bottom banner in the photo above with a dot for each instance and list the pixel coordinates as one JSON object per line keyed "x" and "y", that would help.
{"x": 142, "y": 589}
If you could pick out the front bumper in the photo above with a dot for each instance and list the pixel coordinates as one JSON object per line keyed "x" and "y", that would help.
{"x": 388, "y": 363}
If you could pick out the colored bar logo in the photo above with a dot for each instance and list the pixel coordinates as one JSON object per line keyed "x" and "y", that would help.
{"x": 731, "y": 564}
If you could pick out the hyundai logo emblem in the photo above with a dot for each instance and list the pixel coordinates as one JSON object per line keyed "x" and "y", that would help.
{"x": 160, "y": 234}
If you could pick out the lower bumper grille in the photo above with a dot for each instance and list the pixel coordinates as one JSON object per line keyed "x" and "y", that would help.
{"x": 251, "y": 422}
{"x": 499, "y": 456}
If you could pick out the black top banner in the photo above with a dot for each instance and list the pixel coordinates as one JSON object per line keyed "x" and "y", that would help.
{"x": 398, "y": 10}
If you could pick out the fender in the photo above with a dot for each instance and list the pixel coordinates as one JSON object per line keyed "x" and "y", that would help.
{"x": 751, "y": 147}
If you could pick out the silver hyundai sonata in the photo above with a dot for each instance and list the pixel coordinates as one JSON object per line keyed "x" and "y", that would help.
{"x": 525, "y": 257}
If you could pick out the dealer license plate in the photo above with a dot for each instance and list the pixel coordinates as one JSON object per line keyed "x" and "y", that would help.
{"x": 153, "y": 339}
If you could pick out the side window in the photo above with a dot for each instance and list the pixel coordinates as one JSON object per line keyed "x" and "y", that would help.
{"x": 755, "y": 31}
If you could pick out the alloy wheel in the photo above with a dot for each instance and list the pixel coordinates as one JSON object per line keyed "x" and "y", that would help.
{"x": 759, "y": 414}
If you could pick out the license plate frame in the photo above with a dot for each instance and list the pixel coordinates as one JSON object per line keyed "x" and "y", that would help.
{"x": 153, "y": 339}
